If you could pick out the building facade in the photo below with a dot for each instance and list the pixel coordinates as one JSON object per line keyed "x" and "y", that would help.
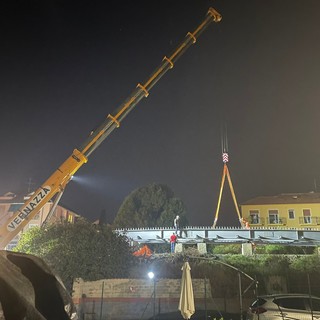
{"x": 289, "y": 210}
{"x": 10, "y": 203}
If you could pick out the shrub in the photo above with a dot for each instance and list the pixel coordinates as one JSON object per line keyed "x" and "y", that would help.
{"x": 227, "y": 249}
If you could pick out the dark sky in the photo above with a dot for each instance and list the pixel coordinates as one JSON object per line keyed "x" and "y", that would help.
{"x": 64, "y": 65}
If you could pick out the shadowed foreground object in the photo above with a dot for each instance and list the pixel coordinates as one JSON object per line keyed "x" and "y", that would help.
{"x": 29, "y": 290}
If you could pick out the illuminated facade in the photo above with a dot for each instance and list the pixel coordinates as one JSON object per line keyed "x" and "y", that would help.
{"x": 288, "y": 210}
{"x": 10, "y": 203}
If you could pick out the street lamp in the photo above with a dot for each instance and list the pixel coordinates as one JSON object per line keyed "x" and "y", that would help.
{"x": 151, "y": 275}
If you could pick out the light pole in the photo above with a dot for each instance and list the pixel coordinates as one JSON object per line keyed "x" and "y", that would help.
{"x": 151, "y": 275}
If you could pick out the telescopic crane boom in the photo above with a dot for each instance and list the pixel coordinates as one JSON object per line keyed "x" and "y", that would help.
{"x": 59, "y": 179}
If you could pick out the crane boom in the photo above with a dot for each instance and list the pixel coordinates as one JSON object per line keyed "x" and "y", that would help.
{"x": 60, "y": 178}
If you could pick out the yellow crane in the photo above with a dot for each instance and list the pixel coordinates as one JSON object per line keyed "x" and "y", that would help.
{"x": 56, "y": 183}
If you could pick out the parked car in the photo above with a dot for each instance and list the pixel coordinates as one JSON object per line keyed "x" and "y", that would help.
{"x": 285, "y": 307}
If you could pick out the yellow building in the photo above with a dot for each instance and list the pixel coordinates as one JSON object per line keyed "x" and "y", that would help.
{"x": 10, "y": 203}
{"x": 287, "y": 210}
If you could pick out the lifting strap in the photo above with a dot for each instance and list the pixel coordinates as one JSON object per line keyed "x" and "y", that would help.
{"x": 225, "y": 173}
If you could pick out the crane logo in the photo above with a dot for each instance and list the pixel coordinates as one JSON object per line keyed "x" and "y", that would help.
{"x": 32, "y": 204}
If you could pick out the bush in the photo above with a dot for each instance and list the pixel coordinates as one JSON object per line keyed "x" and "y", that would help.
{"x": 306, "y": 264}
{"x": 226, "y": 249}
{"x": 278, "y": 249}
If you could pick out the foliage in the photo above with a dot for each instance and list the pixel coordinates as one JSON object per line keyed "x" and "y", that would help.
{"x": 226, "y": 249}
{"x": 305, "y": 271}
{"x": 274, "y": 264}
{"x": 279, "y": 249}
{"x": 152, "y": 206}
{"x": 261, "y": 249}
{"x": 308, "y": 264}
{"x": 159, "y": 248}
{"x": 80, "y": 250}
{"x": 249, "y": 265}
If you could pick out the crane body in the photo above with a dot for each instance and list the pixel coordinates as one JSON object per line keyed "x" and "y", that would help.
{"x": 57, "y": 182}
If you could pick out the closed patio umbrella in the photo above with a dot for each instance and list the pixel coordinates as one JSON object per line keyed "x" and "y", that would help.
{"x": 186, "y": 303}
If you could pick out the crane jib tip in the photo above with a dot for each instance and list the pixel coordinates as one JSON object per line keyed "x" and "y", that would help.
{"x": 216, "y": 15}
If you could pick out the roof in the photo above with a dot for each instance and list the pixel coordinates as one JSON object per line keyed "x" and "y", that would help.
{"x": 12, "y": 198}
{"x": 285, "y": 198}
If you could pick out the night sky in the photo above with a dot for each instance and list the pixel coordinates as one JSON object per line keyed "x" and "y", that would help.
{"x": 65, "y": 65}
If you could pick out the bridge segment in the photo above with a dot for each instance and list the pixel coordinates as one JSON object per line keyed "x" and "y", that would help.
{"x": 224, "y": 235}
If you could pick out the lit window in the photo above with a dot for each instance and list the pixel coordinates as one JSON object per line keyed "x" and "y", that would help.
{"x": 273, "y": 216}
{"x": 306, "y": 215}
{"x": 70, "y": 218}
{"x": 291, "y": 213}
{"x": 254, "y": 216}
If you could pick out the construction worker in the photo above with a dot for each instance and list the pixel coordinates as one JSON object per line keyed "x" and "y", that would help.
{"x": 176, "y": 223}
{"x": 173, "y": 240}
{"x": 245, "y": 223}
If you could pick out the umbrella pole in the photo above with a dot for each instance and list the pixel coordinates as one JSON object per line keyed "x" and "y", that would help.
{"x": 205, "y": 297}
{"x": 154, "y": 299}
{"x": 240, "y": 296}
{"x": 101, "y": 303}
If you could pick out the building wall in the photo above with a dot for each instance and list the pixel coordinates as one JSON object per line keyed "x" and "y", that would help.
{"x": 9, "y": 205}
{"x": 116, "y": 299}
{"x": 299, "y": 221}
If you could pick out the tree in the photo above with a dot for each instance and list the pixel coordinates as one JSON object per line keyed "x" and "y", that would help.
{"x": 151, "y": 206}
{"x": 79, "y": 250}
